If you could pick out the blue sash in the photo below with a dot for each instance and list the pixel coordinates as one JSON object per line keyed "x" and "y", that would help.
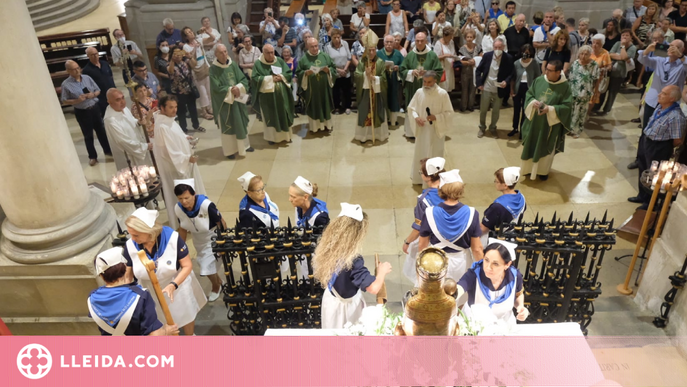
{"x": 244, "y": 205}
{"x": 432, "y": 196}
{"x": 316, "y": 206}
{"x": 164, "y": 237}
{"x": 451, "y": 226}
{"x": 514, "y": 203}
{"x": 660, "y": 113}
{"x": 553, "y": 26}
{"x": 110, "y": 304}
{"x": 194, "y": 212}
{"x": 477, "y": 268}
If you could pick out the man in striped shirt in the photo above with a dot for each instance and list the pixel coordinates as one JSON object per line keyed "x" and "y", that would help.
{"x": 82, "y": 92}
{"x": 664, "y": 131}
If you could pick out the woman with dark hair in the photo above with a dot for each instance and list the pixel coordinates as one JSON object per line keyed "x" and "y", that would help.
{"x": 559, "y": 50}
{"x": 161, "y": 63}
{"x": 452, "y": 226}
{"x": 507, "y": 208}
{"x": 199, "y": 216}
{"x": 495, "y": 283}
{"x": 122, "y": 307}
{"x": 429, "y": 171}
{"x": 526, "y": 71}
{"x": 612, "y": 33}
{"x": 181, "y": 74}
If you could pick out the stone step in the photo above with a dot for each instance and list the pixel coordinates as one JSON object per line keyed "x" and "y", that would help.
{"x": 52, "y": 7}
{"x": 74, "y": 10}
{"x": 29, "y": 2}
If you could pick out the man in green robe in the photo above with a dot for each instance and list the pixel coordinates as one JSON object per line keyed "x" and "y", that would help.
{"x": 393, "y": 78}
{"x": 420, "y": 59}
{"x": 548, "y": 112}
{"x": 316, "y": 73}
{"x": 270, "y": 87}
{"x": 229, "y": 91}
{"x": 371, "y": 92}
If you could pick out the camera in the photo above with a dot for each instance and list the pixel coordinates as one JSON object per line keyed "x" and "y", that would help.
{"x": 661, "y": 50}
{"x": 128, "y": 47}
{"x": 269, "y": 14}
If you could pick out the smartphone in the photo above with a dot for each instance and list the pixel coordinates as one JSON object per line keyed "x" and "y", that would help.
{"x": 128, "y": 47}
{"x": 85, "y": 90}
{"x": 269, "y": 14}
{"x": 154, "y": 104}
{"x": 661, "y": 50}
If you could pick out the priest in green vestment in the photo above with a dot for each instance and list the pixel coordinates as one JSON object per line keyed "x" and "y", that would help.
{"x": 548, "y": 112}
{"x": 371, "y": 93}
{"x": 392, "y": 59}
{"x": 229, "y": 91}
{"x": 420, "y": 59}
{"x": 270, "y": 87}
{"x": 316, "y": 73}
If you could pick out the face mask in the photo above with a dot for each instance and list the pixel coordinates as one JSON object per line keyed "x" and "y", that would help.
{"x": 164, "y": 49}
{"x": 498, "y": 53}
{"x": 122, "y": 39}
{"x": 526, "y": 56}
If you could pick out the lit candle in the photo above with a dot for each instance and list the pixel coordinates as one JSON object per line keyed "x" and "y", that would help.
{"x": 113, "y": 187}
{"x": 654, "y": 166}
{"x": 122, "y": 179}
{"x": 653, "y": 182}
{"x": 127, "y": 193}
{"x": 666, "y": 180}
{"x": 152, "y": 173}
{"x": 120, "y": 194}
{"x": 134, "y": 191}
{"x": 144, "y": 189}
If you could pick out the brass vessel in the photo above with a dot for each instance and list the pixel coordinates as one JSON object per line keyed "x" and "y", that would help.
{"x": 430, "y": 312}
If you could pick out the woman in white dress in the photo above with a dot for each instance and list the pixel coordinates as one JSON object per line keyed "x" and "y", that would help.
{"x": 174, "y": 156}
{"x": 174, "y": 270}
{"x": 446, "y": 51}
{"x": 210, "y": 37}
{"x": 340, "y": 269}
{"x": 494, "y": 282}
{"x": 199, "y": 216}
{"x": 493, "y": 32}
{"x": 201, "y": 73}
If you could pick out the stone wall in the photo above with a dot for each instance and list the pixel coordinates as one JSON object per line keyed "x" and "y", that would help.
{"x": 596, "y": 11}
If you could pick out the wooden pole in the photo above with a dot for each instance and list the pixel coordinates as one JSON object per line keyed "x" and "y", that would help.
{"x": 150, "y": 268}
{"x": 381, "y": 295}
{"x": 624, "y": 287}
{"x": 372, "y": 96}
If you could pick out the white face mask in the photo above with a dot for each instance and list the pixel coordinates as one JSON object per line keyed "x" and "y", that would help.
{"x": 164, "y": 49}
{"x": 497, "y": 53}
{"x": 122, "y": 39}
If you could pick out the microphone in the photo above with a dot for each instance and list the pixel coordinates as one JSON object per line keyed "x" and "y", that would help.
{"x": 429, "y": 114}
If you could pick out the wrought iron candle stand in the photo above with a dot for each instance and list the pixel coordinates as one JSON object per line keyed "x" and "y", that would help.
{"x": 259, "y": 297}
{"x": 677, "y": 281}
{"x": 561, "y": 265}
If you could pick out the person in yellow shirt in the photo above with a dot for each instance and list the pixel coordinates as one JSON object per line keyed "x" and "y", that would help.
{"x": 507, "y": 18}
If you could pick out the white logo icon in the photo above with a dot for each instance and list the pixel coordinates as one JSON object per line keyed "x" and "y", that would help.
{"x": 34, "y": 361}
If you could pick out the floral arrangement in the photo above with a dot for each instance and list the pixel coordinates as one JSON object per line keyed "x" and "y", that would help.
{"x": 375, "y": 321}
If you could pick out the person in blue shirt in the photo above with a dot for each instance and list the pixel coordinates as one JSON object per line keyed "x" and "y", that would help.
{"x": 121, "y": 307}
{"x": 494, "y": 12}
{"x": 508, "y": 207}
{"x": 256, "y": 209}
{"x": 169, "y": 34}
{"x": 429, "y": 171}
{"x": 495, "y": 283}
{"x": 309, "y": 209}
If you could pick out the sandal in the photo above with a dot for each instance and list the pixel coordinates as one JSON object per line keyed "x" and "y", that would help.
{"x": 200, "y": 129}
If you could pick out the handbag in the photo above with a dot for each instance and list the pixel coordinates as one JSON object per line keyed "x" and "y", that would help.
{"x": 603, "y": 85}
{"x": 194, "y": 89}
{"x": 204, "y": 70}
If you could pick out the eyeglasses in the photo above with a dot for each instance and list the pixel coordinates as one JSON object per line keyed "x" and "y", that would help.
{"x": 494, "y": 3}
{"x": 259, "y": 189}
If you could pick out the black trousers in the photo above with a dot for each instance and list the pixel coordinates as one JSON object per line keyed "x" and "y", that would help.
{"x": 342, "y": 88}
{"x": 650, "y": 150}
{"x": 90, "y": 120}
{"x": 187, "y": 102}
{"x": 519, "y": 106}
{"x": 613, "y": 89}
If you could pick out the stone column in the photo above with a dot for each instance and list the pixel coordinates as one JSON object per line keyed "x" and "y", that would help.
{"x": 54, "y": 225}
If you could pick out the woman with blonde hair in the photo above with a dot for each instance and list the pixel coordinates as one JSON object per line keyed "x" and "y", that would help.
{"x": 642, "y": 27}
{"x": 174, "y": 270}
{"x": 256, "y": 209}
{"x": 340, "y": 269}
{"x": 452, "y": 226}
{"x": 309, "y": 209}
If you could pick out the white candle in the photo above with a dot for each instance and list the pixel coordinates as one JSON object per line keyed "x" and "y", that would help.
{"x": 653, "y": 182}
{"x": 144, "y": 189}
{"x": 127, "y": 193}
{"x": 152, "y": 173}
{"x": 134, "y": 191}
{"x": 120, "y": 194}
{"x": 113, "y": 187}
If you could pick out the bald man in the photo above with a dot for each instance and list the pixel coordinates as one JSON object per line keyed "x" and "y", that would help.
{"x": 100, "y": 71}
{"x": 123, "y": 133}
{"x": 517, "y": 36}
{"x": 81, "y": 92}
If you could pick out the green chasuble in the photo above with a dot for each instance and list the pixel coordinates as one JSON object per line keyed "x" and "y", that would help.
{"x": 540, "y": 139}
{"x": 273, "y": 99}
{"x": 393, "y": 78}
{"x": 428, "y": 60}
{"x": 231, "y": 118}
{"x": 316, "y": 89}
{"x": 363, "y": 95}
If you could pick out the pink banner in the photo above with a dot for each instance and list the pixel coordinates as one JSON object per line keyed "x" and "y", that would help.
{"x": 297, "y": 361}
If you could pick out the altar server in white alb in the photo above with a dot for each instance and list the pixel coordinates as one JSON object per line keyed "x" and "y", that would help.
{"x": 494, "y": 282}
{"x": 174, "y": 270}
{"x": 309, "y": 209}
{"x": 508, "y": 207}
{"x": 341, "y": 270}
{"x": 452, "y": 226}
{"x": 174, "y": 156}
{"x": 430, "y": 110}
{"x": 429, "y": 170}
{"x": 199, "y": 216}
{"x": 125, "y": 137}
{"x": 256, "y": 209}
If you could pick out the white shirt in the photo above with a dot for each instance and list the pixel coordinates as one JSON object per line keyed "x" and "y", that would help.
{"x": 357, "y": 21}
{"x": 117, "y": 53}
{"x": 441, "y": 27}
{"x": 539, "y": 37}
{"x": 199, "y": 52}
{"x": 490, "y": 85}
{"x": 488, "y": 43}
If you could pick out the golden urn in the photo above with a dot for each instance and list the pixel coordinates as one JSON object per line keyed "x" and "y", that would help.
{"x": 430, "y": 311}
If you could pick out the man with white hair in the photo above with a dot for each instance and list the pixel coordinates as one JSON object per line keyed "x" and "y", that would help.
{"x": 418, "y": 61}
{"x": 618, "y": 16}
{"x": 517, "y": 36}
{"x": 101, "y": 72}
{"x": 316, "y": 74}
{"x": 393, "y": 60}
{"x": 123, "y": 134}
{"x": 169, "y": 33}
{"x": 493, "y": 76}
{"x": 664, "y": 131}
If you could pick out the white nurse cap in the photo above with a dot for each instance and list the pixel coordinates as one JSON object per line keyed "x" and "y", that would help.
{"x": 108, "y": 258}
{"x": 303, "y": 184}
{"x": 189, "y": 182}
{"x": 434, "y": 165}
{"x": 353, "y": 211}
{"x": 452, "y": 176}
{"x": 147, "y": 216}
{"x": 245, "y": 180}
{"x": 510, "y": 246}
{"x": 511, "y": 175}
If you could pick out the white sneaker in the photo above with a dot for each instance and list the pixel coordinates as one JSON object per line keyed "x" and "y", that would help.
{"x": 213, "y": 296}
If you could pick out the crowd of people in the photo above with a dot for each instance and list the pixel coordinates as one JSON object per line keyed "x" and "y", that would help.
{"x": 558, "y": 72}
